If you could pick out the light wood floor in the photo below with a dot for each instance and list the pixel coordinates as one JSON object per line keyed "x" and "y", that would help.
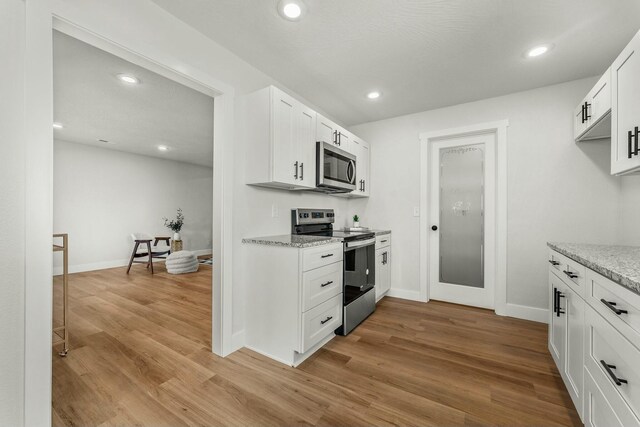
{"x": 140, "y": 356}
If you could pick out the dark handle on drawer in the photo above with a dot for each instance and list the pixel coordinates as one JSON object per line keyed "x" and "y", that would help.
{"x": 608, "y": 368}
{"x": 611, "y": 306}
{"x": 326, "y": 256}
{"x": 331, "y": 317}
{"x": 570, "y": 274}
{"x": 326, "y": 284}
{"x": 383, "y": 241}
{"x": 552, "y": 262}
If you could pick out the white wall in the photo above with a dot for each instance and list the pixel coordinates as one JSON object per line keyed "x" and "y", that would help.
{"x": 101, "y": 196}
{"x": 12, "y": 211}
{"x": 629, "y": 209}
{"x": 557, "y": 190}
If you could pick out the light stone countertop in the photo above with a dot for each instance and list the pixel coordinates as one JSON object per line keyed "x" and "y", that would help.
{"x": 618, "y": 263}
{"x": 381, "y": 232}
{"x": 289, "y": 240}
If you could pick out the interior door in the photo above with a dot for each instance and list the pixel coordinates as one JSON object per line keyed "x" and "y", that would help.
{"x": 462, "y": 213}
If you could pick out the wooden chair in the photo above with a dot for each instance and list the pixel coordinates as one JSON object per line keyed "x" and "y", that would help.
{"x": 156, "y": 251}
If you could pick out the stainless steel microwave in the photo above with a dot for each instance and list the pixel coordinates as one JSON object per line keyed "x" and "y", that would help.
{"x": 336, "y": 169}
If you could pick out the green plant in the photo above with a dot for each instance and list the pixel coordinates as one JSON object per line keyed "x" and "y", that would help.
{"x": 175, "y": 225}
{"x": 356, "y": 218}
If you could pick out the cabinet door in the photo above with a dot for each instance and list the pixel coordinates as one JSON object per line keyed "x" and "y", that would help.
{"x": 625, "y": 111}
{"x": 557, "y": 323}
{"x": 379, "y": 275}
{"x": 600, "y": 98}
{"x": 285, "y": 160}
{"x": 326, "y": 130}
{"x": 574, "y": 365}
{"x": 386, "y": 271}
{"x": 361, "y": 150}
{"x": 306, "y": 143}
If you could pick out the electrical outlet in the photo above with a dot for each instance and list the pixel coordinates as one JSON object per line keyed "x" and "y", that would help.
{"x": 416, "y": 211}
{"x": 274, "y": 211}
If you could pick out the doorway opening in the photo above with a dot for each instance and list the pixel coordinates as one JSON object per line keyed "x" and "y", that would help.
{"x": 131, "y": 147}
{"x": 463, "y": 226}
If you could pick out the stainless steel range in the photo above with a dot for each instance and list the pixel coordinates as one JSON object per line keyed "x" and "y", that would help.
{"x": 359, "y": 262}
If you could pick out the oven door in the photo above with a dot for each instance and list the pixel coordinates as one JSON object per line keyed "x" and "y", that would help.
{"x": 336, "y": 168}
{"x": 359, "y": 268}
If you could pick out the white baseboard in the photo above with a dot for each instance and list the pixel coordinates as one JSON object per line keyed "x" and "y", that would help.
{"x": 80, "y": 268}
{"x": 404, "y": 294}
{"x": 237, "y": 341}
{"x": 527, "y": 313}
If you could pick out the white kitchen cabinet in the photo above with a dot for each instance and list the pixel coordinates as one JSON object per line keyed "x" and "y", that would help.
{"x": 279, "y": 140}
{"x": 331, "y": 133}
{"x": 362, "y": 151}
{"x": 594, "y": 339}
{"x": 383, "y": 272}
{"x": 294, "y": 299}
{"x": 592, "y": 118}
{"x": 625, "y": 112}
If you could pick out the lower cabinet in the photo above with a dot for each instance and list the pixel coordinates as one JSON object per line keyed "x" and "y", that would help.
{"x": 595, "y": 344}
{"x": 294, "y": 299}
{"x": 383, "y": 265}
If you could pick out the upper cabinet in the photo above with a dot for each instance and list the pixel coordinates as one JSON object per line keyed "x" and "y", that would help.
{"x": 331, "y": 133}
{"x": 625, "y": 117}
{"x": 592, "y": 118}
{"x": 279, "y": 137}
{"x": 362, "y": 152}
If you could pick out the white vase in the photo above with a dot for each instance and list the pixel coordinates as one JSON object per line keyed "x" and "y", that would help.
{"x": 176, "y": 236}
{"x": 356, "y": 224}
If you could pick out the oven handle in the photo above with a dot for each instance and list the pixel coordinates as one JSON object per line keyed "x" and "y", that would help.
{"x": 360, "y": 243}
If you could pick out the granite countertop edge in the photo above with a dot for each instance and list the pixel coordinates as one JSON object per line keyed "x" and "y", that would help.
{"x": 630, "y": 281}
{"x": 282, "y": 241}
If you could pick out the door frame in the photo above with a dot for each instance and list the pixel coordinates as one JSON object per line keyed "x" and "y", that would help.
{"x": 93, "y": 23}
{"x": 499, "y": 129}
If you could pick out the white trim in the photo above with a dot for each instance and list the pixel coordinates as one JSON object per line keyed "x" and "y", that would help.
{"x": 237, "y": 340}
{"x": 527, "y": 313}
{"x": 404, "y": 294}
{"x": 500, "y": 130}
{"x": 103, "y": 265}
{"x": 102, "y": 28}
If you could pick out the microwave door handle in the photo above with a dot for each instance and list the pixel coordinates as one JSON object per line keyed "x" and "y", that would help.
{"x": 350, "y": 174}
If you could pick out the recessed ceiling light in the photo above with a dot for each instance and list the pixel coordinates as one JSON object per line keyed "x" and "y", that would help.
{"x": 291, "y": 9}
{"x": 129, "y": 79}
{"x": 537, "y": 51}
{"x": 373, "y": 95}
{"x": 163, "y": 148}
{"x": 57, "y": 125}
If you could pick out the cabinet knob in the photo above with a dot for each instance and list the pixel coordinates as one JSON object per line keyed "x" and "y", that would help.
{"x": 434, "y": 227}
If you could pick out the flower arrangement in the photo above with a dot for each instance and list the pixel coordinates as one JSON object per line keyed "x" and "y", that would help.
{"x": 175, "y": 225}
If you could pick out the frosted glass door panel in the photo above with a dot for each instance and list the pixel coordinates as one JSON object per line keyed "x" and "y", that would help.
{"x": 462, "y": 215}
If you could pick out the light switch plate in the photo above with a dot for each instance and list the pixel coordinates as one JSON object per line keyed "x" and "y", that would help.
{"x": 416, "y": 211}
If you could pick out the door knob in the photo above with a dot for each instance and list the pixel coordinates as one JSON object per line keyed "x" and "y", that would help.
{"x": 434, "y": 227}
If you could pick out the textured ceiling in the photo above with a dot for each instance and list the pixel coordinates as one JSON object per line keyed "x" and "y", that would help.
{"x": 93, "y": 104}
{"x": 421, "y": 54}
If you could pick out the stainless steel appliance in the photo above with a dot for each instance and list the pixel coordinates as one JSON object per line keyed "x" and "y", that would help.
{"x": 335, "y": 169}
{"x": 359, "y": 274}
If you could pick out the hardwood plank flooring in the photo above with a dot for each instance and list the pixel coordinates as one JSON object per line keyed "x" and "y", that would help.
{"x": 140, "y": 355}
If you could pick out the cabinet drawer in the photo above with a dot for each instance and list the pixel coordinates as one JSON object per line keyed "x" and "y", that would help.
{"x": 600, "y": 288}
{"x": 607, "y": 411}
{"x": 321, "y": 256}
{"x": 321, "y": 321}
{"x": 571, "y": 272}
{"x": 383, "y": 241}
{"x": 321, "y": 284}
{"x": 610, "y": 357}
